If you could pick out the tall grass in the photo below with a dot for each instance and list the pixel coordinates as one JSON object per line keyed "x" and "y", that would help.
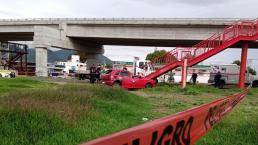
{"x": 191, "y": 89}
{"x": 37, "y": 113}
{"x": 238, "y": 128}
{"x": 10, "y": 85}
{"x": 67, "y": 114}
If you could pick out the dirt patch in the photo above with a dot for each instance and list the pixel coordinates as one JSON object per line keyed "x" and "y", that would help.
{"x": 165, "y": 96}
{"x": 167, "y": 102}
{"x": 161, "y": 101}
{"x": 60, "y": 81}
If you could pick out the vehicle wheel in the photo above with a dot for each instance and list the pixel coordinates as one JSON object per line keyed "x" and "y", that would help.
{"x": 148, "y": 85}
{"x": 221, "y": 84}
{"x": 117, "y": 84}
{"x": 255, "y": 84}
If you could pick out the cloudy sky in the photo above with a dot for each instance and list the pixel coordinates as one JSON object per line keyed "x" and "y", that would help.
{"x": 129, "y": 8}
{"x": 136, "y": 9}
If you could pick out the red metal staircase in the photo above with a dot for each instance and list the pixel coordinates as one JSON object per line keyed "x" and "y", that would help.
{"x": 246, "y": 30}
{"x": 13, "y": 56}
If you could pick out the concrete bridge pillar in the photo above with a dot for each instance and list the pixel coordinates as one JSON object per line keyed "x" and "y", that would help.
{"x": 92, "y": 57}
{"x": 46, "y": 36}
{"x": 41, "y": 62}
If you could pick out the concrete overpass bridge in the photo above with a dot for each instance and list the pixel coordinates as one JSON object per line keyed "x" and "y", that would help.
{"x": 89, "y": 35}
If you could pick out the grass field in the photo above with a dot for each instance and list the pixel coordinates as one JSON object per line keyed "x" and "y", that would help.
{"x": 34, "y": 112}
{"x": 238, "y": 128}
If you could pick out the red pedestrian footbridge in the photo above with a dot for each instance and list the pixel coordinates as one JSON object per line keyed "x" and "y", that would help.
{"x": 245, "y": 32}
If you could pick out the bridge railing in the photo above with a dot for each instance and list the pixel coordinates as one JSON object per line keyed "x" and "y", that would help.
{"x": 172, "y": 56}
{"x": 239, "y": 28}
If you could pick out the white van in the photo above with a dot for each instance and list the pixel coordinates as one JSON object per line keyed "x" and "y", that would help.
{"x": 206, "y": 73}
{"x": 230, "y": 74}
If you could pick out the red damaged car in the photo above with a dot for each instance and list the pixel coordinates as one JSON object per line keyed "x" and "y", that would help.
{"x": 126, "y": 80}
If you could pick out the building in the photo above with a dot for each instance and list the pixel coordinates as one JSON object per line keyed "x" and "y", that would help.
{"x": 203, "y": 72}
{"x": 65, "y": 68}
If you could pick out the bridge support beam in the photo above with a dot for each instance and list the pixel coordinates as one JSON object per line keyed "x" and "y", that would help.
{"x": 184, "y": 74}
{"x": 92, "y": 56}
{"x": 93, "y": 59}
{"x": 41, "y": 62}
{"x": 243, "y": 65}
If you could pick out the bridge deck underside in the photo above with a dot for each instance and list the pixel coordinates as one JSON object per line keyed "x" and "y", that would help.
{"x": 151, "y": 42}
{"x": 21, "y": 36}
{"x": 28, "y": 36}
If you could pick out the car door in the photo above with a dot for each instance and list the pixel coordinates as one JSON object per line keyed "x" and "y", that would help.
{"x": 126, "y": 79}
{"x": 138, "y": 82}
{"x": 128, "y": 83}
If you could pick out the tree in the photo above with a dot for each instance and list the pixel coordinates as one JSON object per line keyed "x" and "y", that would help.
{"x": 237, "y": 62}
{"x": 249, "y": 69}
{"x": 108, "y": 66}
{"x": 155, "y": 54}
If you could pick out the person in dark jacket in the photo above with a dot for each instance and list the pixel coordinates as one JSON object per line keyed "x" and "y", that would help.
{"x": 124, "y": 68}
{"x": 98, "y": 70}
{"x": 194, "y": 77}
{"x": 92, "y": 74}
{"x": 217, "y": 80}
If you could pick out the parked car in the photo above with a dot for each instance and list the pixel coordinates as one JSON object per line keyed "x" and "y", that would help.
{"x": 7, "y": 74}
{"x": 125, "y": 79}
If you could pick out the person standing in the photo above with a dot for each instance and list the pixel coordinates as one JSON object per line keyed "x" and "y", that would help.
{"x": 92, "y": 74}
{"x": 217, "y": 78}
{"x": 124, "y": 68}
{"x": 145, "y": 68}
{"x": 194, "y": 77}
{"x": 171, "y": 78}
{"x": 98, "y": 73}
